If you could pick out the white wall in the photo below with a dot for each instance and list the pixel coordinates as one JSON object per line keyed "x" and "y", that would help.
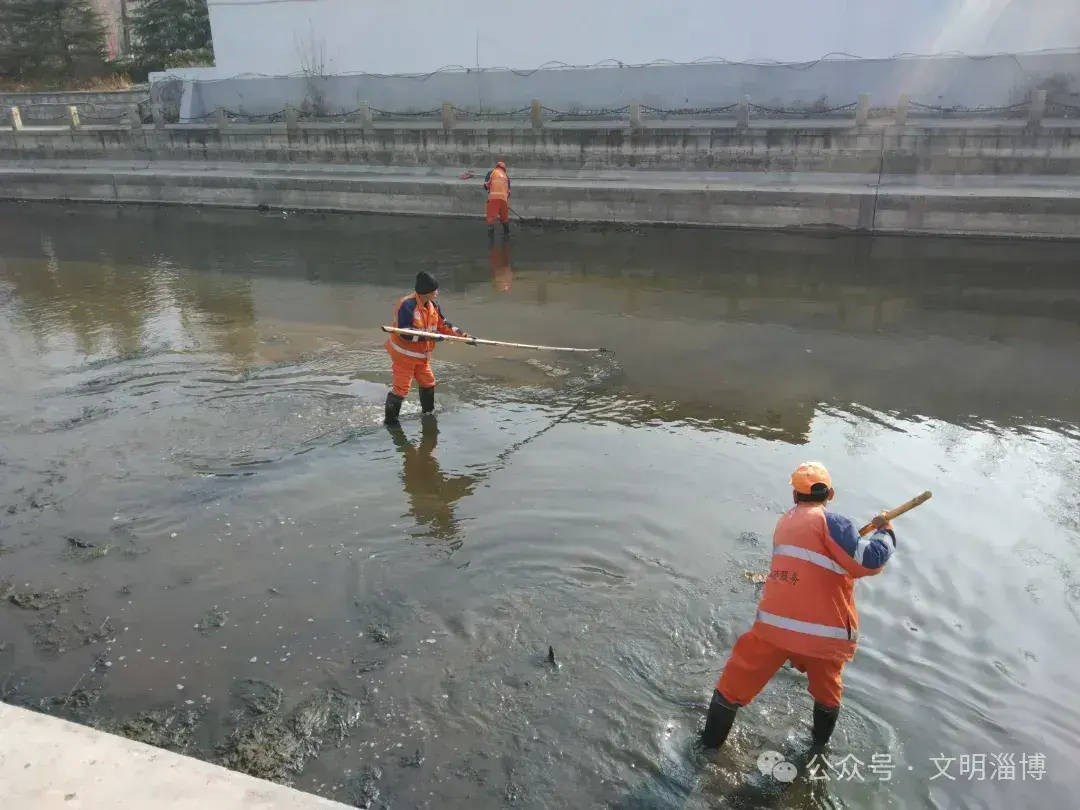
{"x": 389, "y": 36}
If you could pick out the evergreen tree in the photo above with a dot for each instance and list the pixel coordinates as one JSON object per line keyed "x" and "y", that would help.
{"x": 50, "y": 38}
{"x": 168, "y": 31}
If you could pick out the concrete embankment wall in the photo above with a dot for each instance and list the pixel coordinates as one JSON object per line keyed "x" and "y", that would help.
{"x": 1001, "y": 149}
{"x": 890, "y": 207}
{"x": 49, "y": 107}
{"x": 1001, "y": 180}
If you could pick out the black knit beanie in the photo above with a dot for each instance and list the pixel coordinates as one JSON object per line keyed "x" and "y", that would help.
{"x": 426, "y": 283}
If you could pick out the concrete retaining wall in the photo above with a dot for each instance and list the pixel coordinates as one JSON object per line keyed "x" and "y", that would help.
{"x": 998, "y": 150}
{"x": 886, "y": 208}
{"x": 92, "y": 105}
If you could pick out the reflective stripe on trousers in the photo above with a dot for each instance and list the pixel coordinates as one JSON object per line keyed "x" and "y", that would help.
{"x": 800, "y": 553}
{"x": 809, "y": 628}
{"x": 407, "y": 353}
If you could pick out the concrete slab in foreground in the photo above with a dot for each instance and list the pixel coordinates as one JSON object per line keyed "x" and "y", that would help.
{"x": 50, "y": 763}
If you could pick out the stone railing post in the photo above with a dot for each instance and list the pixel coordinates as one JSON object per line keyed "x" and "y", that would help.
{"x": 221, "y": 120}
{"x": 292, "y": 121}
{"x": 134, "y": 120}
{"x": 742, "y": 113}
{"x": 901, "y": 110}
{"x": 862, "y": 110}
{"x": 536, "y": 113}
{"x": 73, "y": 116}
{"x": 16, "y": 120}
{"x": 159, "y": 116}
{"x": 447, "y": 115}
{"x": 635, "y": 114}
{"x": 1037, "y": 109}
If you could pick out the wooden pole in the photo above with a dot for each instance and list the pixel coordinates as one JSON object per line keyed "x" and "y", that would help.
{"x": 481, "y": 342}
{"x": 895, "y": 513}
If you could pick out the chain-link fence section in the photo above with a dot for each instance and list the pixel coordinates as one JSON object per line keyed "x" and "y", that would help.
{"x": 742, "y": 112}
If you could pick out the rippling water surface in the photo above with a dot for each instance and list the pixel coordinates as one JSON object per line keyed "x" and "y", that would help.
{"x": 196, "y": 492}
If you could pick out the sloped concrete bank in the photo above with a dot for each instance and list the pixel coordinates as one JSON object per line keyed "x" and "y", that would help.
{"x": 1009, "y": 206}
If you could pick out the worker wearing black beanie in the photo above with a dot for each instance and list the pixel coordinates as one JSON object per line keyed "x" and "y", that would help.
{"x": 411, "y": 354}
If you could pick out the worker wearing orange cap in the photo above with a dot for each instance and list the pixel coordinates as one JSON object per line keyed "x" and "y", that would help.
{"x": 807, "y": 611}
{"x": 497, "y": 185}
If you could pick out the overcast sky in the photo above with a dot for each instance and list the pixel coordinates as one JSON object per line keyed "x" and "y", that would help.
{"x": 418, "y": 35}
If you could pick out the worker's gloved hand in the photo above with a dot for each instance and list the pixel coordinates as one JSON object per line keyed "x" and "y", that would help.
{"x": 881, "y": 521}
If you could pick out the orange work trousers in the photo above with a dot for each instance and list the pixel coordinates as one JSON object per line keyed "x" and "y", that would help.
{"x": 407, "y": 369}
{"x": 754, "y": 661}
{"x": 497, "y": 209}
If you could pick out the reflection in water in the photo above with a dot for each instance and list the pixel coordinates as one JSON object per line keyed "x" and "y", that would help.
{"x": 502, "y": 276}
{"x": 432, "y": 494}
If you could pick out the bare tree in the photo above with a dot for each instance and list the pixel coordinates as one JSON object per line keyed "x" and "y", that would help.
{"x": 311, "y": 50}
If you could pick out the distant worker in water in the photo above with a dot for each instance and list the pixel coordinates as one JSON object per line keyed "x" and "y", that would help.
{"x": 497, "y": 185}
{"x": 411, "y": 355}
{"x": 807, "y": 611}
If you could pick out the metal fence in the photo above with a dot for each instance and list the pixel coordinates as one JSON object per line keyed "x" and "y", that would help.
{"x": 48, "y": 114}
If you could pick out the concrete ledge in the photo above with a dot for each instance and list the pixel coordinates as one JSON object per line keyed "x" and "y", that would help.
{"x": 48, "y": 763}
{"x": 998, "y": 150}
{"x": 1036, "y": 209}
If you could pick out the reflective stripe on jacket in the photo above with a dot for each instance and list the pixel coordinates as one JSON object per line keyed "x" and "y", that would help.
{"x": 808, "y": 605}
{"x": 411, "y": 314}
{"x": 497, "y": 184}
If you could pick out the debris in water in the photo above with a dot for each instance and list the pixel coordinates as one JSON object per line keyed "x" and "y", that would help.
{"x": 78, "y": 542}
{"x": 167, "y": 727}
{"x": 363, "y": 789}
{"x": 368, "y": 665}
{"x": 258, "y": 697}
{"x": 268, "y": 746}
{"x": 551, "y": 657}
{"x": 414, "y": 761}
{"x": 755, "y": 577}
{"x": 214, "y": 619}
{"x": 379, "y": 633}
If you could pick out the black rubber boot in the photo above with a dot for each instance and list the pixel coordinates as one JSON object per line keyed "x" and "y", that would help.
{"x": 491, "y": 234}
{"x": 427, "y": 399}
{"x": 824, "y": 722}
{"x": 393, "y": 408}
{"x": 718, "y": 723}
{"x": 506, "y": 230}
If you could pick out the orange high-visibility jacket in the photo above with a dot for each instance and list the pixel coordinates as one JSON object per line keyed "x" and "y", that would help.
{"x": 411, "y": 314}
{"x": 497, "y": 184}
{"x": 808, "y": 605}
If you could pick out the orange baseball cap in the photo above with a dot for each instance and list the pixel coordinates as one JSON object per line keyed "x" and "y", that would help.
{"x": 809, "y": 473}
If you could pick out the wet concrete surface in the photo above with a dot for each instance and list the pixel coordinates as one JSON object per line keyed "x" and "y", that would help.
{"x": 209, "y": 543}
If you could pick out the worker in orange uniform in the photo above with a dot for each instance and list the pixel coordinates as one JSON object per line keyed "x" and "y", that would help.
{"x": 807, "y": 611}
{"x": 411, "y": 355}
{"x": 497, "y": 185}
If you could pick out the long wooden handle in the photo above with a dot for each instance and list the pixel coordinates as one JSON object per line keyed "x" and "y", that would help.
{"x": 482, "y": 342}
{"x": 904, "y": 507}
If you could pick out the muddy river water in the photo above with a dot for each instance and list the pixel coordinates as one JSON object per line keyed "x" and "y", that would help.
{"x": 209, "y": 542}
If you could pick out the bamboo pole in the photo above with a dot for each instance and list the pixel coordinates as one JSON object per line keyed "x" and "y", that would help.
{"x": 473, "y": 341}
{"x": 895, "y": 513}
